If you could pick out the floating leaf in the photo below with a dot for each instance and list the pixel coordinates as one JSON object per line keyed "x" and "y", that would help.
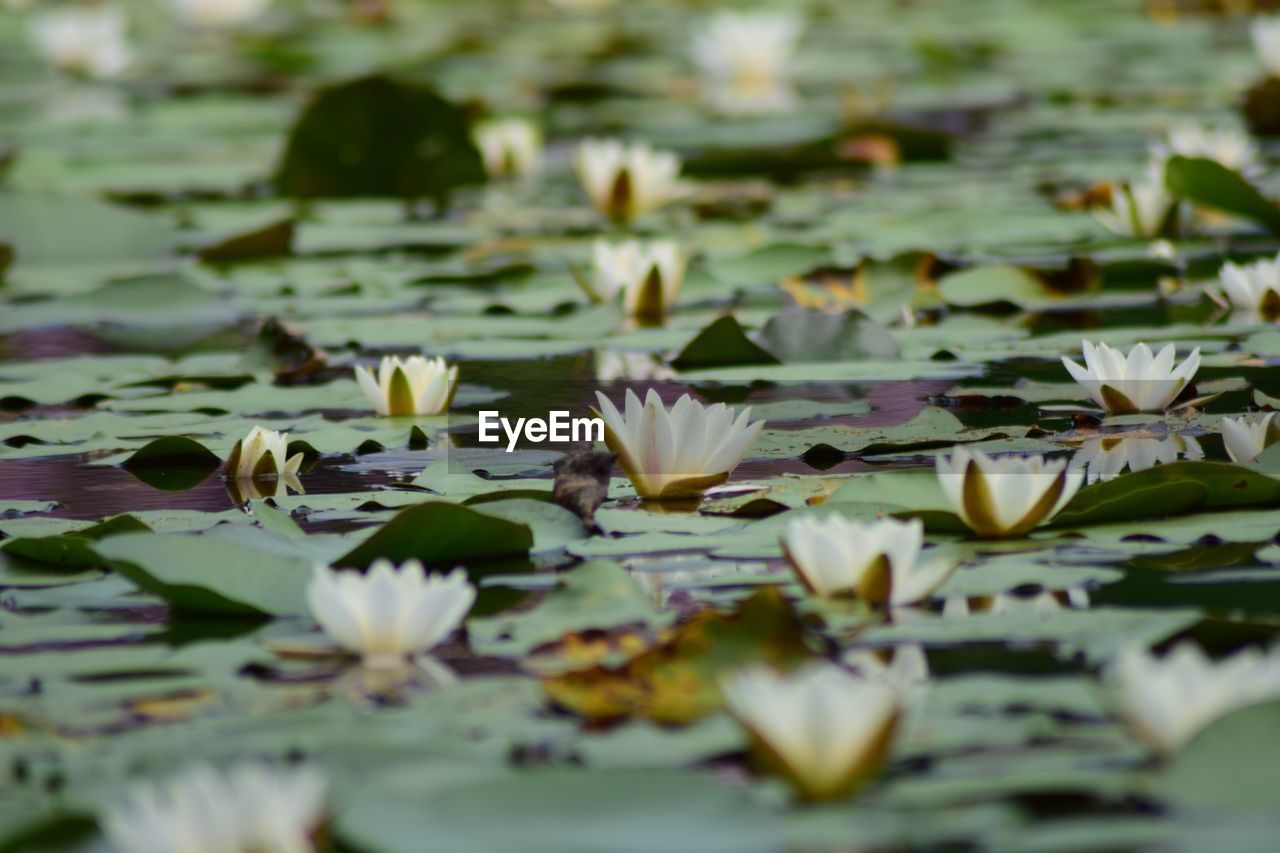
{"x": 720, "y": 344}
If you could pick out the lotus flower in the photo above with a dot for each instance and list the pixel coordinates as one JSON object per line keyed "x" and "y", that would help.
{"x": 1253, "y": 289}
{"x": 1246, "y": 440}
{"x": 216, "y": 14}
{"x": 249, "y": 807}
{"x": 1006, "y": 496}
{"x": 1168, "y": 700}
{"x": 411, "y": 386}
{"x": 745, "y": 59}
{"x": 627, "y": 181}
{"x": 1266, "y": 42}
{"x": 389, "y": 615}
{"x": 1231, "y": 148}
{"x": 83, "y": 41}
{"x": 262, "y": 454}
{"x": 648, "y": 275}
{"x": 678, "y": 454}
{"x": 878, "y": 561}
{"x": 1107, "y": 457}
{"x": 825, "y": 729}
{"x": 510, "y": 147}
{"x": 1142, "y": 209}
{"x": 1139, "y": 383}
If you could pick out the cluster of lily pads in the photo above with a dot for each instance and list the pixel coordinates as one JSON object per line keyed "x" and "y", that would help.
{"x": 816, "y": 644}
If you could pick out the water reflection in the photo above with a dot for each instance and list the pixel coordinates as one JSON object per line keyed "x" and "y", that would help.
{"x": 1107, "y": 457}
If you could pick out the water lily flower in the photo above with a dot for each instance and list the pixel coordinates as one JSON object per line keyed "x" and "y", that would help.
{"x": 879, "y": 561}
{"x": 410, "y": 386}
{"x": 1169, "y": 700}
{"x": 84, "y": 41}
{"x": 249, "y": 806}
{"x": 510, "y": 147}
{"x": 1231, "y": 148}
{"x": 648, "y": 275}
{"x": 678, "y": 453}
{"x": 1245, "y": 440}
{"x": 1139, "y": 382}
{"x": 216, "y": 14}
{"x": 745, "y": 59}
{"x": 261, "y": 454}
{"x": 1005, "y": 496}
{"x": 627, "y": 181}
{"x": 824, "y": 728}
{"x": 1107, "y": 457}
{"x": 1254, "y": 288}
{"x": 1265, "y": 30}
{"x": 1142, "y": 209}
{"x": 389, "y": 615}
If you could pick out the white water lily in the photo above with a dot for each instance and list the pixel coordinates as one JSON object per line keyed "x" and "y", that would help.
{"x": 879, "y": 561}
{"x": 1231, "y": 148}
{"x": 251, "y": 806}
{"x": 648, "y": 275}
{"x": 262, "y": 454}
{"x": 1265, "y": 31}
{"x": 1105, "y": 458}
{"x": 1245, "y": 440}
{"x": 745, "y": 59}
{"x": 510, "y": 147}
{"x": 1169, "y": 700}
{"x": 1005, "y": 496}
{"x": 1141, "y": 209}
{"x": 826, "y": 729}
{"x": 389, "y": 615}
{"x": 1254, "y": 288}
{"x": 1139, "y": 382}
{"x": 86, "y": 41}
{"x": 217, "y": 14}
{"x": 409, "y": 386}
{"x": 627, "y": 181}
{"x": 678, "y": 453}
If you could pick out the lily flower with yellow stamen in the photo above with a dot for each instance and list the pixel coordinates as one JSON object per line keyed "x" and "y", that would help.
{"x": 627, "y": 181}
{"x": 1245, "y": 440}
{"x": 648, "y": 275}
{"x": 1169, "y": 700}
{"x": 878, "y": 561}
{"x": 1230, "y": 148}
{"x": 410, "y": 386}
{"x": 1254, "y": 288}
{"x": 389, "y": 615}
{"x": 1142, "y": 209}
{"x": 510, "y": 147}
{"x": 745, "y": 60}
{"x": 826, "y": 730}
{"x": 1139, "y": 382}
{"x": 262, "y": 454}
{"x": 1008, "y": 496}
{"x": 676, "y": 454}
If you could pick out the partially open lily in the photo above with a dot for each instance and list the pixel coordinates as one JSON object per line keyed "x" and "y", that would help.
{"x": 248, "y": 806}
{"x": 1142, "y": 209}
{"x": 1253, "y": 289}
{"x": 85, "y": 41}
{"x": 1107, "y": 457}
{"x": 410, "y": 386}
{"x": 1229, "y": 147}
{"x": 648, "y": 275}
{"x": 1265, "y": 31}
{"x": 389, "y": 615}
{"x": 1245, "y": 440}
{"x": 828, "y": 731}
{"x": 878, "y": 561}
{"x": 217, "y": 14}
{"x": 262, "y": 454}
{"x": 627, "y": 181}
{"x": 1007, "y": 496}
{"x": 1140, "y": 382}
{"x": 1168, "y": 700}
{"x": 676, "y": 454}
{"x": 510, "y": 147}
{"x": 745, "y": 59}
